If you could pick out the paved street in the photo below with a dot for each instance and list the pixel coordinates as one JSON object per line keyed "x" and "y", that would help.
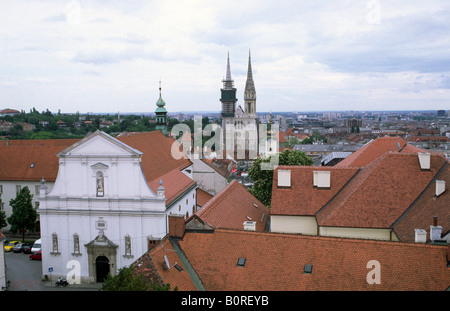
{"x": 25, "y": 275}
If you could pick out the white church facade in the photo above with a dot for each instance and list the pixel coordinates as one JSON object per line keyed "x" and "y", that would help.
{"x": 101, "y": 213}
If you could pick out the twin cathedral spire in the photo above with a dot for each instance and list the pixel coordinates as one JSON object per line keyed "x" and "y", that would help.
{"x": 228, "y": 93}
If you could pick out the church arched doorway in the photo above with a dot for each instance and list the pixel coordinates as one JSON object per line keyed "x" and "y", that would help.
{"x": 102, "y": 268}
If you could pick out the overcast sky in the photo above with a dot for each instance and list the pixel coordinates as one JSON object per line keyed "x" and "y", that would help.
{"x": 109, "y": 56}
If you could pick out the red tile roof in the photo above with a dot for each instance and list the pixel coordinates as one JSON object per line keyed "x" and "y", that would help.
{"x": 380, "y": 193}
{"x": 203, "y": 197}
{"x": 375, "y": 148}
{"x": 420, "y": 214}
{"x": 275, "y": 262}
{"x": 175, "y": 183}
{"x": 157, "y": 159}
{"x": 152, "y": 266}
{"x": 232, "y": 206}
{"x": 302, "y": 198}
{"x": 17, "y": 156}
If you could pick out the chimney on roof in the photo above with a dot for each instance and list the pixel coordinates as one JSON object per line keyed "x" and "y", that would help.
{"x": 440, "y": 187}
{"x": 420, "y": 236}
{"x": 250, "y": 225}
{"x": 424, "y": 160}
{"x": 177, "y": 225}
{"x": 435, "y": 230}
{"x": 322, "y": 179}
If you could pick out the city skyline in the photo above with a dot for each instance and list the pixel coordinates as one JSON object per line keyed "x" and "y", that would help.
{"x": 90, "y": 56}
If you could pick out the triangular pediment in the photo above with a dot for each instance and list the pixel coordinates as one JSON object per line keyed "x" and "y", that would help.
{"x": 99, "y": 143}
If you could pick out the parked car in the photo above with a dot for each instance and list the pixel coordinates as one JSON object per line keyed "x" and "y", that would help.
{"x": 8, "y": 247}
{"x": 17, "y": 248}
{"x": 36, "y": 256}
{"x": 36, "y": 246}
{"x": 26, "y": 248}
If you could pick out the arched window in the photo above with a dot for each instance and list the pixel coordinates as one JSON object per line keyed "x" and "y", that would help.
{"x": 100, "y": 183}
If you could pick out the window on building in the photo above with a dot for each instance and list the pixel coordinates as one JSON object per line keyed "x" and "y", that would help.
{"x": 1, "y": 188}
{"x": 36, "y": 189}
{"x": 18, "y": 188}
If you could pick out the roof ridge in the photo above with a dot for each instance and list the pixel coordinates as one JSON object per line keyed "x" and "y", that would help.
{"x": 203, "y": 211}
{"x": 366, "y": 172}
{"x": 321, "y": 237}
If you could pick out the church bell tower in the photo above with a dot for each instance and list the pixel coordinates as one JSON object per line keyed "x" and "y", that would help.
{"x": 161, "y": 114}
{"x": 228, "y": 94}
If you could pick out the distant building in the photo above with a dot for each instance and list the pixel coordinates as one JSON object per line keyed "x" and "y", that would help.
{"x": 242, "y": 121}
{"x": 5, "y": 126}
{"x": 441, "y": 113}
{"x": 8, "y": 112}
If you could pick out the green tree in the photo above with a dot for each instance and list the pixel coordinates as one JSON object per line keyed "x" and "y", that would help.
{"x": 127, "y": 280}
{"x": 23, "y": 215}
{"x": 262, "y": 179}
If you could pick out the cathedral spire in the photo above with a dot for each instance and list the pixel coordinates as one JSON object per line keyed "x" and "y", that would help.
{"x": 249, "y": 84}
{"x": 250, "y": 92}
{"x": 228, "y": 82}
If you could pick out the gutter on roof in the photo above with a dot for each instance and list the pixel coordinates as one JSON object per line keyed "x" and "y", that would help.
{"x": 187, "y": 265}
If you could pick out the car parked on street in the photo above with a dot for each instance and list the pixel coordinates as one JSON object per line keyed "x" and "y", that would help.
{"x": 17, "y": 248}
{"x": 26, "y": 248}
{"x": 36, "y": 246}
{"x": 36, "y": 256}
{"x": 8, "y": 247}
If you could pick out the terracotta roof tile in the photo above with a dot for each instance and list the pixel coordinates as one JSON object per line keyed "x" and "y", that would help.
{"x": 420, "y": 215}
{"x": 232, "y": 206}
{"x": 375, "y": 149}
{"x": 157, "y": 159}
{"x": 203, "y": 197}
{"x": 276, "y": 262}
{"x": 152, "y": 266}
{"x": 175, "y": 183}
{"x": 380, "y": 193}
{"x": 302, "y": 198}
{"x": 17, "y": 157}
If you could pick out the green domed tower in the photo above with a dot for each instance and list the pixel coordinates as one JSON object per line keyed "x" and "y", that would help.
{"x": 161, "y": 114}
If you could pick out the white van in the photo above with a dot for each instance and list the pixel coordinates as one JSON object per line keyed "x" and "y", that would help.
{"x": 36, "y": 246}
